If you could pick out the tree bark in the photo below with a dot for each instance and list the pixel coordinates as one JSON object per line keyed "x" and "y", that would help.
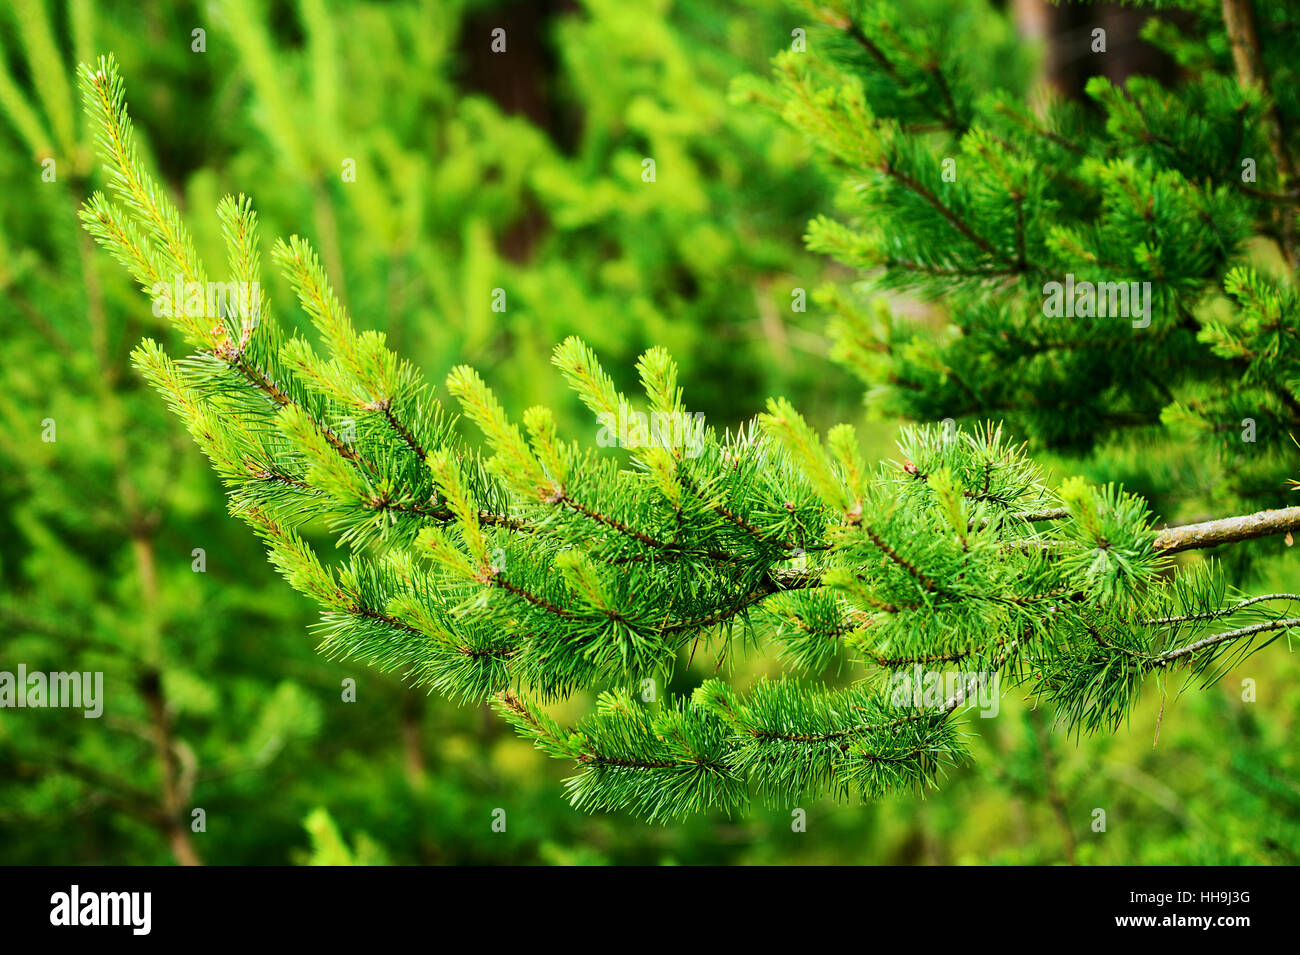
{"x": 1243, "y": 33}
{"x": 1228, "y": 530}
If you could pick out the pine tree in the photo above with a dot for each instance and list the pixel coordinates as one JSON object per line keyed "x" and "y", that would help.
{"x": 993, "y": 205}
{"x": 531, "y": 567}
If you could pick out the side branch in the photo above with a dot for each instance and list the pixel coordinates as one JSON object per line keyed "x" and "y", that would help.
{"x": 1171, "y": 540}
{"x": 1165, "y": 658}
{"x": 1228, "y": 530}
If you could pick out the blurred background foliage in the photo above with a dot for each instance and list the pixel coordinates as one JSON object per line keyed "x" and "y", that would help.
{"x": 475, "y": 171}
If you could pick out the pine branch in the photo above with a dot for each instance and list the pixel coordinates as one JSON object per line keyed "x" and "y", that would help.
{"x": 1219, "y": 638}
{"x": 1171, "y": 540}
{"x": 1222, "y": 611}
{"x": 543, "y": 567}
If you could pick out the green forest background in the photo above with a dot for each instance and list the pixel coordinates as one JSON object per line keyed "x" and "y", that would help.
{"x": 475, "y": 171}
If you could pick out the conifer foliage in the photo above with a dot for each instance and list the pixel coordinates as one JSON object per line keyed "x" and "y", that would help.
{"x": 1036, "y": 223}
{"x": 520, "y": 566}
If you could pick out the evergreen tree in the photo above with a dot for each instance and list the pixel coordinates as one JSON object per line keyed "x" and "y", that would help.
{"x": 536, "y": 567}
{"x": 1030, "y": 223}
